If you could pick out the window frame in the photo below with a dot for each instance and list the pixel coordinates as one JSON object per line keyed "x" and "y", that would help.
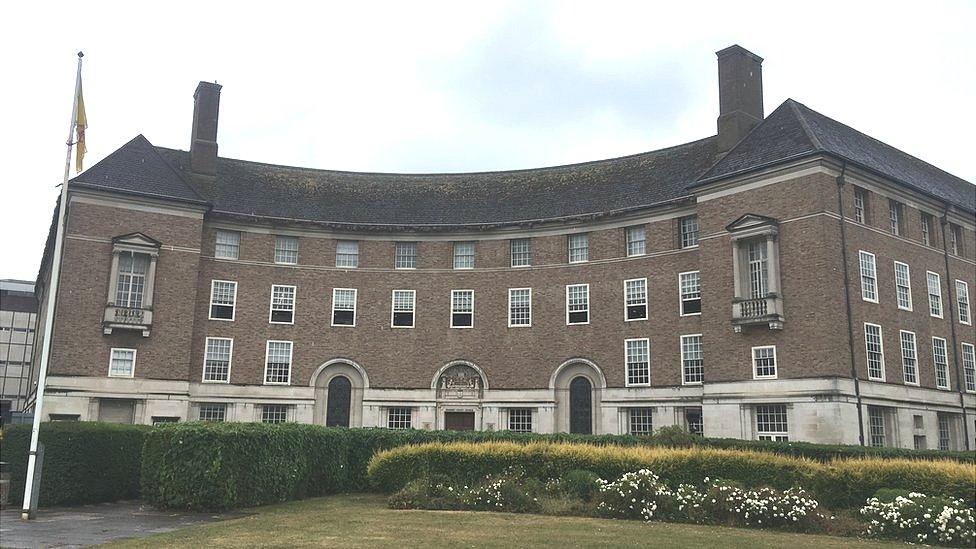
{"x": 867, "y": 351}
{"x": 647, "y": 417}
{"x": 222, "y": 406}
{"x": 955, "y": 240}
{"x": 453, "y": 312}
{"x": 413, "y": 310}
{"x": 968, "y": 373}
{"x": 777, "y": 436}
{"x": 944, "y": 364}
{"x": 529, "y": 324}
{"x": 126, "y": 295}
{"x": 861, "y": 255}
{"x": 905, "y": 358}
{"x": 755, "y": 365}
{"x": 907, "y": 287}
{"x": 585, "y": 239}
{"x": 877, "y": 430}
{"x": 524, "y": 254}
{"x": 928, "y": 291}
{"x": 627, "y": 362}
{"x": 627, "y": 304}
{"x": 217, "y": 243}
{"x": 694, "y": 235}
{"x": 355, "y": 307}
{"x": 267, "y": 356}
{"x": 926, "y": 227}
{"x": 459, "y": 246}
{"x": 860, "y": 205}
{"x": 628, "y": 241}
{"x": 111, "y": 359}
{"x": 962, "y": 298}
{"x": 587, "y": 293}
{"x": 512, "y": 420}
{"x": 684, "y": 365}
{"x": 279, "y": 239}
{"x": 233, "y": 311}
{"x": 399, "y": 254}
{"x": 338, "y": 253}
{"x": 399, "y": 409}
{"x": 294, "y": 304}
{"x": 282, "y": 408}
{"x": 681, "y": 297}
{"x": 895, "y": 217}
{"x": 230, "y": 359}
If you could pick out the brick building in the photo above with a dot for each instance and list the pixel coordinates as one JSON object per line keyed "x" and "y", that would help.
{"x": 787, "y": 278}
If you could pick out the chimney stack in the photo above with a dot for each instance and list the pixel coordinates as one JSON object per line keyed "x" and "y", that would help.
{"x": 740, "y": 95}
{"x": 203, "y": 140}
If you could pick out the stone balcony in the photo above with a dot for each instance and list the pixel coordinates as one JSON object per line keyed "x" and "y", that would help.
{"x": 754, "y": 311}
{"x": 127, "y": 318}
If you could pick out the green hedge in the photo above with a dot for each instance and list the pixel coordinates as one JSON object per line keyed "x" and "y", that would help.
{"x": 840, "y": 484}
{"x": 83, "y": 462}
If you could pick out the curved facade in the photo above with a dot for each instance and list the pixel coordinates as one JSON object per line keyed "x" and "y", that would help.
{"x": 788, "y": 278}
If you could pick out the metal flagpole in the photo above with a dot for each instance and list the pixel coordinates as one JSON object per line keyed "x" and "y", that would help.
{"x": 30, "y": 486}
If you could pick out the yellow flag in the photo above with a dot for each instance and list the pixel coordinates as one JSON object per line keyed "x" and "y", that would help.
{"x": 81, "y": 122}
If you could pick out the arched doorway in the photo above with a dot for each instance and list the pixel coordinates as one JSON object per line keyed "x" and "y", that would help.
{"x": 339, "y": 403}
{"x": 581, "y": 406}
{"x": 460, "y": 387}
{"x": 339, "y": 386}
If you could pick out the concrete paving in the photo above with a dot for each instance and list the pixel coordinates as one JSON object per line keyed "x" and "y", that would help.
{"x": 88, "y": 525}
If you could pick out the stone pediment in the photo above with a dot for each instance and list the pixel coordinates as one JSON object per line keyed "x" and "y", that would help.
{"x": 750, "y": 221}
{"x": 137, "y": 239}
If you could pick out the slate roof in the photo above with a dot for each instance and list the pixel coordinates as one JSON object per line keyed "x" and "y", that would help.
{"x": 385, "y": 201}
{"x": 794, "y": 131}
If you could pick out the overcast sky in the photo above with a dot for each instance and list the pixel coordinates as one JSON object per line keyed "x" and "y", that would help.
{"x": 459, "y": 86}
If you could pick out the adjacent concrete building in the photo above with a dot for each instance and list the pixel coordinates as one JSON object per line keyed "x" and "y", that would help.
{"x": 789, "y": 278}
{"x": 18, "y": 318}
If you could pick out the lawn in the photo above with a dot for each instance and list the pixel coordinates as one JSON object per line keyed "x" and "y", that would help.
{"x": 365, "y": 521}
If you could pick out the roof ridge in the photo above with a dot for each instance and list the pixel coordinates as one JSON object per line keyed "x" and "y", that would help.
{"x": 814, "y": 139}
{"x": 174, "y": 170}
{"x": 481, "y": 172}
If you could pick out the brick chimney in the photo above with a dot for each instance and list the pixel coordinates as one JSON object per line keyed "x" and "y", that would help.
{"x": 203, "y": 140}
{"x": 740, "y": 95}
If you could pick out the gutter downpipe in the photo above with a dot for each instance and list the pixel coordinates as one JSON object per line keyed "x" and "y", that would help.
{"x": 960, "y": 382}
{"x": 847, "y": 301}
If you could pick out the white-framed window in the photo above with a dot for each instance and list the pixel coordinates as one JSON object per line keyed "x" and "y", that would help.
{"x": 860, "y": 205}
{"x": 934, "y": 283}
{"x": 969, "y": 366}
{"x": 635, "y": 299}
{"x": 399, "y": 418}
{"x": 945, "y": 432}
{"x": 274, "y": 413}
{"x": 344, "y": 306}
{"x": 869, "y": 277}
{"x": 521, "y": 252}
{"x": 578, "y": 304}
{"x": 926, "y": 229}
{"x": 940, "y": 358}
{"x": 955, "y": 238}
{"x": 277, "y": 363}
{"x": 464, "y": 255}
{"x": 347, "y": 254}
{"x": 213, "y": 411}
{"x": 689, "y": 288}
{"x": 874, "y": 347}
{"x": 520, "y": 420}
{"x": 909, "y": 357}
{"x": 876, "y": 426}
{"x": 689, "y": 231}
{"x": 223, "y": 299}
{"x": 764, "y": 362}
{"x": 462, "y": 308}
{"x": 122, "y": 363}
{"x": 282, "y": 304}
{"x": 636, "y": 240}
{"x": 131, "y": 286}
{"x": 962, "y": 302}
{"x": 758, "y": 269}
{"x": 216, "y": 359}
{"x": 894, "y": 217}
{"x": 405, "y": 255}
{"x": 519, "y": 307}
{"x": 286, "y": 250}
{"x": 692, "y": 360}
{"x": 771, "y": 422}
{"x": 579, "y": 247}
{"x": 640, "y": 421}
{"x": 637, "y": 356}
{"x": 903, "y": 286}
{"x": 228, "y": 245}
{"x": 404, "y": 302}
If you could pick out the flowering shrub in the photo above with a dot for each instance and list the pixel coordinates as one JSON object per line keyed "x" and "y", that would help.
{"x": 920, "y": 518}
{"x": 761, "y": 507}
{"x": 510, "y": 491}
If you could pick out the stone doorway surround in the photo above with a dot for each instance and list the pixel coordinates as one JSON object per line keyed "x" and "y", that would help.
{"x": 559, "y": 383}
{"x": 324, "y": 375}
{"x": 459, "y": 387}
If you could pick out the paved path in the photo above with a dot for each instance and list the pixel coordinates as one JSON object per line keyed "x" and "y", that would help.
{"x": 93, "y": 524}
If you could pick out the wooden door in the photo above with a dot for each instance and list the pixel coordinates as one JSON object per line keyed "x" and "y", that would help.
{"x": 459, "y": 421}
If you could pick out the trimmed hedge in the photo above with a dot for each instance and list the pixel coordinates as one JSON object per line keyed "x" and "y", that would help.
{"x": 840, "y": 484}
{"x": 83, "y": 462}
